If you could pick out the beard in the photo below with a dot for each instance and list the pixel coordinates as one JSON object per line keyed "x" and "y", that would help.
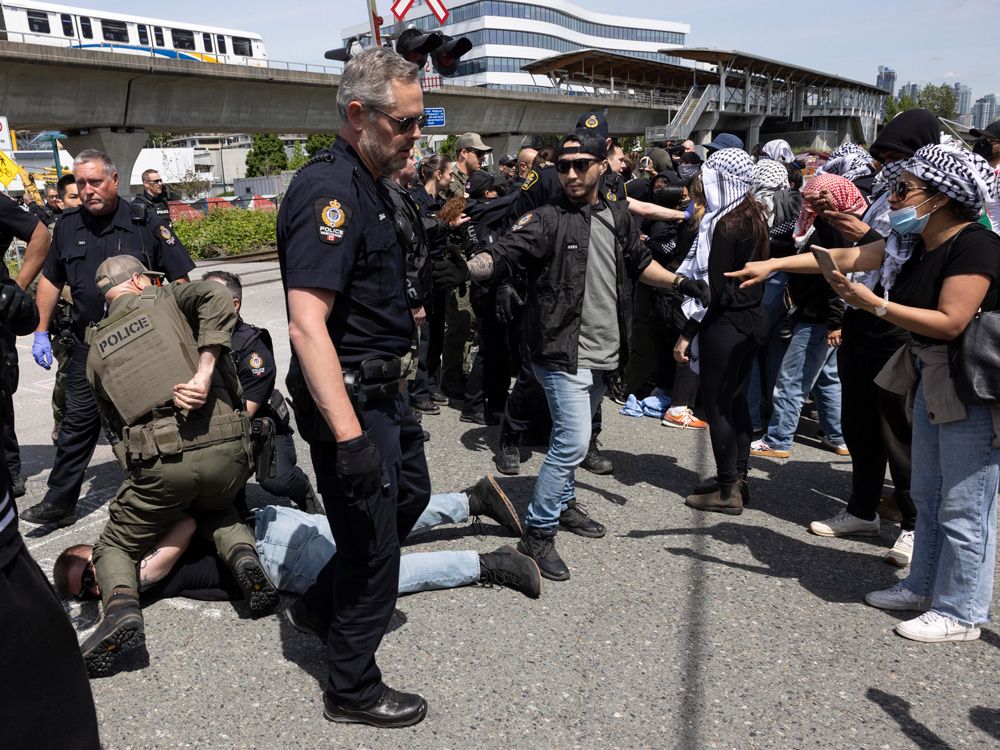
{"x": 382, "y": 155}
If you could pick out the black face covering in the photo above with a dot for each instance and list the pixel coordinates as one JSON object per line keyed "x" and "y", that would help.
{"x": 983, "y": 148}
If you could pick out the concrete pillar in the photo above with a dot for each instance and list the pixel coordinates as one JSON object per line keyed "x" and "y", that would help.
{"x": 503, "y": 143}
{"x": 702, "y": 138}
{"x": 121, "y": 144}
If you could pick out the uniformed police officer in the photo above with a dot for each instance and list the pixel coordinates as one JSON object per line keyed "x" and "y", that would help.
{"x": 344, "y": 274}
{"x": 103, "y": 227}
{"x": 152, "y": 201}
{"x": 274, "y": 447}
{"x": 175, "y": 402}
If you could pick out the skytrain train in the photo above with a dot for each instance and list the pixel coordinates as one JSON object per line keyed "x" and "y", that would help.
{"x": 66, "y": 26}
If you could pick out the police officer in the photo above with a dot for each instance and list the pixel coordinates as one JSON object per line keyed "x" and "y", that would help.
{"x": 175, "y": 402}
{"x": 344, "y": 273}
{"x": 103, "y": 227}
{"x": 35, "y": 678}
{"x": 274, "y": 447}
{"x": 152, "y": 201}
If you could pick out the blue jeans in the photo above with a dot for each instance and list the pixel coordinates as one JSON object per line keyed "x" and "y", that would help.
{"x": 809, "y": 365}
{"x": 954, "y": 488}
{"x": 573, "y": 401}
{"x": 295, "y": 546}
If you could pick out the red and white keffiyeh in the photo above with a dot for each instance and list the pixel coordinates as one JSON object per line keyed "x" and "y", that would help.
{"x": 845, "y": 196}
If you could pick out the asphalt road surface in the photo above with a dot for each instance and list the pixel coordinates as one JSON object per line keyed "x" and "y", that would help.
{"x": 679, "y": 629}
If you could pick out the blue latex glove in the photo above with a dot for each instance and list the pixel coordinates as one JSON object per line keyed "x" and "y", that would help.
{"x": 41, "y": 350}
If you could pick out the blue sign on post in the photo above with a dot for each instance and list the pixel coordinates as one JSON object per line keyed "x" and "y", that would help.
{"x": 435, "y": 117}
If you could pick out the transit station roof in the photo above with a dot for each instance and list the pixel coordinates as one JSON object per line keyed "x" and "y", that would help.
{"x": 593, "y": 65}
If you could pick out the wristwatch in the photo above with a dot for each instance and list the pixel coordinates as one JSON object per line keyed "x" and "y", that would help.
{"x": 882, "y": 310}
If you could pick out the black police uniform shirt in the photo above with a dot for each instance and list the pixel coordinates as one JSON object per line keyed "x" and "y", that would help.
{"x": 156, "y": 207}
{"x": 82, "y": 242}
{"x": 255, "y": 365}
{"x": 335, "y": 232}
{"x": 14, "y": 222}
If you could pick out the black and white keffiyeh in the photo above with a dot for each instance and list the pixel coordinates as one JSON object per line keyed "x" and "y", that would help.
{"x": 768, "y": 178}
{"x": 849, "y": 161}
{"x": 898, "y": 248}
{"x": 963, "y": 176}
{"x": 779, "y": 151}
{"x": 726, "y": 178}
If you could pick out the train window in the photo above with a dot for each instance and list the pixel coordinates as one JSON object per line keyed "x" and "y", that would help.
{"x": 143, "y": 34}
{"x": 114, "y": 31}
{"x": 38, "y": 22}
{"x": 220, "y": 43}
{"x": 85, "y": 28}
{"x": 67, "y": 24}
{"x": 207, "y": 39}
{"x": 182, "y": 38}
{"x": 158, "y": 36}
{"x": 242, "y": 47}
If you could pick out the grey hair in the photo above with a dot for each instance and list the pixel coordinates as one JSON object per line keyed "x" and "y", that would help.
{"x": 89, "y": 155}
{"x": 368, "y": 78}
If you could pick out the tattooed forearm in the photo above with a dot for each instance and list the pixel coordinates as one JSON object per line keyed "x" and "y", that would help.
{"x": 146, "y": 579}
{"x": 481, "y": 267}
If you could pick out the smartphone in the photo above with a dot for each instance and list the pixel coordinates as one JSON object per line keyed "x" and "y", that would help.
{"x": 825, "y": 261}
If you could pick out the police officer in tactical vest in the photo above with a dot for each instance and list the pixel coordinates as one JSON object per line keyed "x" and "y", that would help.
{"x": 152, "y": 201}
{"x": 270, "y": 426}
{"x": 176, "y": 403}
{"x": 349, "y": 322}
{"x": 105, "y": 226}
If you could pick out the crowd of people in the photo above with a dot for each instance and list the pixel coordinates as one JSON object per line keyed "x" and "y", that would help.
{"x": 713, "y": 289}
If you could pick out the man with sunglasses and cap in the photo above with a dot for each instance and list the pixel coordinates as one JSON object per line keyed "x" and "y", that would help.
{"x": 163, "y": 381}
{"x": 470, "y": 151}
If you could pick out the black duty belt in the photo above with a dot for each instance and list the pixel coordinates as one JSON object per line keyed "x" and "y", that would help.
{"x": 373, "y": 379}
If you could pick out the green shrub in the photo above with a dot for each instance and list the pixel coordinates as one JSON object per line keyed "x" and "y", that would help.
{"x": 228, "y": 231}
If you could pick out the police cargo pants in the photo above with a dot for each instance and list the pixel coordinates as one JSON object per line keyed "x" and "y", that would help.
{"x": 200, "y": 482}
{"x": 356, "y": 591}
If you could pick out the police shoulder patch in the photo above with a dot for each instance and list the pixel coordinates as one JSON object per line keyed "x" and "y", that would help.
{"x": 611, "y": 195}
{"x": 332, "y": 216}
{"x": 523, "y": 221}
{"x": 167, "y": 235}
{"x": 256, "y": 363}
{"x": 529, "y": 180}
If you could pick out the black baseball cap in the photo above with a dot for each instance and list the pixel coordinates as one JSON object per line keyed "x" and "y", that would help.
{"x": 990, "y": 131}
{"x": 507, "y": 161}
{"x": 595, "y": 122}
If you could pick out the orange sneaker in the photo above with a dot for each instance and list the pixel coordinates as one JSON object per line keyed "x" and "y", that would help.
{"x": 686, "y": 420}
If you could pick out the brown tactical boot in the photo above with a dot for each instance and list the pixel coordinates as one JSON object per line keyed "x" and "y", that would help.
{"x": 711, "y": 484}
{"x": 257, "y": 590}
{"x": 726, "y": 498}
{"x": 121, "y": 632}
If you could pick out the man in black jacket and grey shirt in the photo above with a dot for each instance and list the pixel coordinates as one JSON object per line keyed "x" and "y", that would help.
{"x": 581, "y": 256}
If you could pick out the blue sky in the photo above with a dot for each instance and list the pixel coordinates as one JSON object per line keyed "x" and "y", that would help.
{"x": 924, "y": 40}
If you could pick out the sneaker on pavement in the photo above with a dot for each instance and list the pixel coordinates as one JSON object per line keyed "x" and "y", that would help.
{"x": 902, "y": 551}
{"x": 576, "y": 520}
{"x": 540, "y": 546}
{"x": 844, "y": 524}
{"x": 685, "y": 420}
{"x": 933, "y": 627}
{"x": 897, "y": 597}
{"x": 761, "y": 448}
{"x": 839, "y": 448}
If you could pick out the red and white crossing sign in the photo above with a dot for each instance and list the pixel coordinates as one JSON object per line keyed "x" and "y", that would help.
{"x": 401, "y": 7}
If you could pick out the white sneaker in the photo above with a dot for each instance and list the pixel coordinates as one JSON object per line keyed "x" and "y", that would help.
{"x": 897, "y": 597}
{"x": 844, "y": 524}
{"x": 902, "y": 551}
{"x": 933, "y": 627}
{"x": 839, "y": 448}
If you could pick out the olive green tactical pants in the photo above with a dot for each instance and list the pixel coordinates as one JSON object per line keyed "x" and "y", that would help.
{"x": 457, "y": 327}
{"x": 61, "y": 354}
{"x": 199, "y": 482}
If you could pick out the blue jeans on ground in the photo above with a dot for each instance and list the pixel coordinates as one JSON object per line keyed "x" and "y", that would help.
{"x": 295, "y": 546}
{"x": 809, "y": 365}
{"x": 954, "y": 488}
{"x": 573, "y": 401}
{"x": 771, "y": 348}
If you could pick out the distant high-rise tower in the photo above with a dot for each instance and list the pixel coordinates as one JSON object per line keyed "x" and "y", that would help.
{"x": 886, "y": 79}
{"x": 963, "y": 99}
{"x": 909, "y": 91}
{"x": 984, "y": 111}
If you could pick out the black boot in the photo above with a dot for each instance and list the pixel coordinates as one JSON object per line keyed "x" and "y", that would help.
{"x": 577, "y": 521}
{"x": 303, "y": 620}
{"x": 393, "y": 709}
{"x": 487, "y": 499}
{"x": 257, "y": 590}
{"x": 540, "y": 546}
{"x": 711, "y": 484}
{"x": 46, "y": 512}
{"x": 120, "y": 634}
{"x": 508, "y": 567}
{"x": 725, "y": 499}
{"x": 508, "y": 458}
{"x": 311, "y": 504}
{"x": 595, "y": 463}
{"x": 17, "y": 488}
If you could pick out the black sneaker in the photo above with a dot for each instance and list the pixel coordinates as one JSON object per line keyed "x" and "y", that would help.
{"x": 508, "y": 567}
{"x": 595, "y": 463}
{"x": 46, "y": 512}
{"x": 426, "y": 407}
{"x": 438, "y": 397}
{"x": 487, "y": 499}
{"x": 121, "y": 633}
{"x": 540, "y": 546}
{"x": 17, "y": 486}
{"x": 393, "y": 709}
{"x": 508, "y": 456}
{"x": 257, "y": 590}
{"x": 576, "y": 520}
{"x": 303, "y": 620}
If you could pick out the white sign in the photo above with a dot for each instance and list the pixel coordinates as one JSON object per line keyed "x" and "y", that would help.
{"x": 6, "y": 143}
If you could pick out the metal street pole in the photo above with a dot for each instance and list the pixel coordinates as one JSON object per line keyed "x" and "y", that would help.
{"x": 376, "y": 22}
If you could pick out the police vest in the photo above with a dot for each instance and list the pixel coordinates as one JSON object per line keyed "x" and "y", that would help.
{"x": 141, "y": 355}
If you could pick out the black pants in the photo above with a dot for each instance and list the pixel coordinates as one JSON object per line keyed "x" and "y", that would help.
{"x": 78, "y": 434}
{"x": 876, "y": 430}
{"x": 429, "y": 350}
{"x": 726, "y": 351}
{"x": 11, "y": 449}
{"x": 356, "y": 591}
{"x": 288, "y": 480}
{"x": 44, "y": 692}
{"x": 489, "y": 378}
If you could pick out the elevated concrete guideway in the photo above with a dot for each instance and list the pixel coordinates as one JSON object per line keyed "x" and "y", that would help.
{"x": 113, "y": 99}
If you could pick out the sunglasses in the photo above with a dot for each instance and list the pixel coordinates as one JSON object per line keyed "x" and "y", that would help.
{"x": 902, "y": 189}
{"x": 87, "y": 581}
{"x": 404, "y": 124}
{"x": 155, "y": 182}
{"x": 577, "y": 165}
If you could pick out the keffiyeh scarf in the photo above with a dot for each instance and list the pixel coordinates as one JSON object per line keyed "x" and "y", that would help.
{"x": 850, "y": 161}
{"x": 963, "y": 176}
{"x": 779, "y": 150}
{"x": 898, "y": 248}
{"x": 768, "y": 178}
{"x": 845, "y": 196}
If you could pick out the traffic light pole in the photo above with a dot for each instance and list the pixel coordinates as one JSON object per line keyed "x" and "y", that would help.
{"x": 376, "y": 22}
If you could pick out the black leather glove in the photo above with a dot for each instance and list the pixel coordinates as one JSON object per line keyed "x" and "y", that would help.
{"x": 449, "y": 272}
{"x": 360, "y": 465}
{"x": 17, "y": 310}
{"x": 508, "y": 300}
{"x": 697, "y": 289}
